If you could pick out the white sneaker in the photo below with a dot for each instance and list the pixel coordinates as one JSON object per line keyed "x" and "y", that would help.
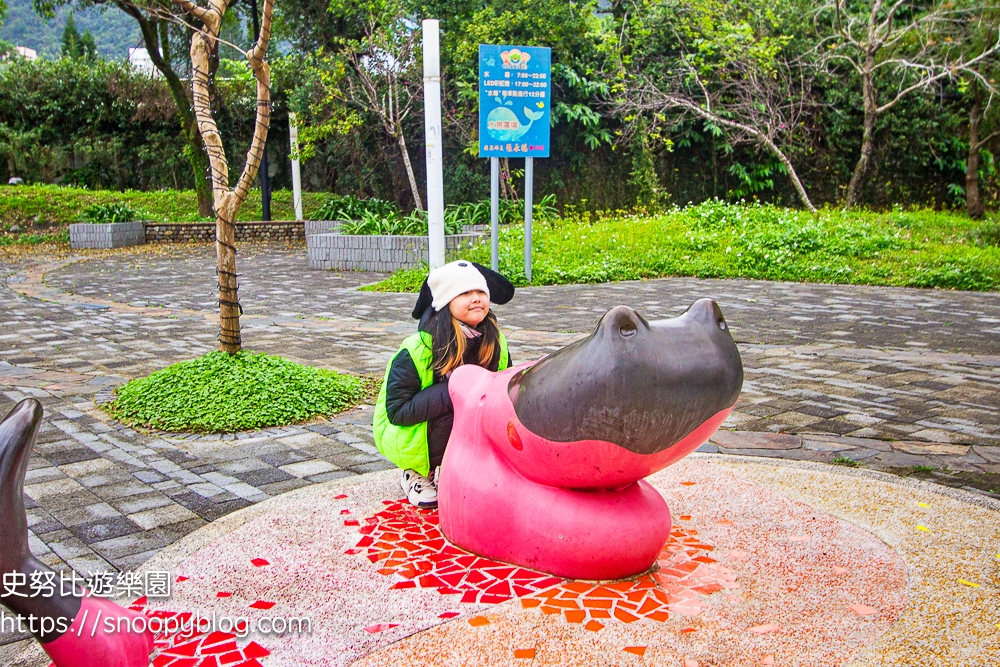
{"x": 419, "y": 490}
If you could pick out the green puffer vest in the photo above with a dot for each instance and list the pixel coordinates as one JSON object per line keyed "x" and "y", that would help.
{"x": 406, "y": 446}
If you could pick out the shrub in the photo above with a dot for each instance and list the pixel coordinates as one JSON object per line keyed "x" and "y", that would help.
{"x": 349, "y": 207}
{"x": 116, "y": 212}
{"x": 478, "y": 213}
{"x": 414, "y": 224}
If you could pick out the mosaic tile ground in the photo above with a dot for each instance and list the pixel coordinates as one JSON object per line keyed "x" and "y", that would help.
{"x": 768, "y": 564}
{"x": 407, "y": 544}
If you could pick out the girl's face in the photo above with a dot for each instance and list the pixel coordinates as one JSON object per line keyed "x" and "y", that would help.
{"x": 470, "y": 307}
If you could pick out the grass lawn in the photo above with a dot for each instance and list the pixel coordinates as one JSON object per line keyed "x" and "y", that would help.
{"x": 57, "y": 206}
{"x": 716, "y": 240}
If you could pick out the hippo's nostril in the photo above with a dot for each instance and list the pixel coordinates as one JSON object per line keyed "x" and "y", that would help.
{"x": 627, "y": 329}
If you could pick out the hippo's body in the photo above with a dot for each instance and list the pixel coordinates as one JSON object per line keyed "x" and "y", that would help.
{"x": 545, "y": 463}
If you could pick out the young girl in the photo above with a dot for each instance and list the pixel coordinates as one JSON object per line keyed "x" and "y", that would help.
{"x": 413, "y": 414}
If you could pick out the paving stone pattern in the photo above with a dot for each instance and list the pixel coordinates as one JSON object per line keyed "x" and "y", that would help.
{"x": 894, "y": 378}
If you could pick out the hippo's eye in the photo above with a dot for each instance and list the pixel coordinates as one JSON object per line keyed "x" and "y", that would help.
{"x": 722, "y": 324}
{"x": 627, "y": 329}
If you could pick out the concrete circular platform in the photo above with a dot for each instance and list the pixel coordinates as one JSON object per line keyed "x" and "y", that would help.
{"x": 769, "y": 563}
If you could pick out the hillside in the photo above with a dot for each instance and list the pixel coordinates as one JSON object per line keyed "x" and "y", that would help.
{"x": 113, "y": 31}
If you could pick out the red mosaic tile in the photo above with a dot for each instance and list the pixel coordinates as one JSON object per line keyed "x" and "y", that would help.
{"x": 184, "y": 644}
{"x": 380, "y": 627}
{"x": 410, "y": 547}
{"x": 262, "y": 604}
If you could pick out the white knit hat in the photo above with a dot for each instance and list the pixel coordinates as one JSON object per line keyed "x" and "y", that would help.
{"x": 453, "y": 279}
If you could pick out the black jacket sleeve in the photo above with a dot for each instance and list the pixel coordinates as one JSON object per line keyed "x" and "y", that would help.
{"x": 405, "y": 402}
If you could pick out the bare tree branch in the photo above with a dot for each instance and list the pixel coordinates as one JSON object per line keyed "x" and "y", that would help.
{"x": 921, "y": 44}
{"x": 760, "y": 110}
{"x": 380, "y": 63}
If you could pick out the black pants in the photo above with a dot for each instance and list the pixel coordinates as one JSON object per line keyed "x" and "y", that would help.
{"x": 438, "y": 432}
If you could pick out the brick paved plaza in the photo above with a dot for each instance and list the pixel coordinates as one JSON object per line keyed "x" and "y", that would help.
{"x": 897, "y": 379}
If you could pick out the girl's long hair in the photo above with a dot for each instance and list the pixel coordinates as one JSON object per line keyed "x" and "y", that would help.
{"x": 450, "y": 342}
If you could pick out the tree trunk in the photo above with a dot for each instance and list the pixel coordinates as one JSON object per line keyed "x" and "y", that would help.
{"x": 225, "y": 253}
{"x": 409, "y": 168}
{"x": 973, "y": 201}
{"x": 715, "y": 170}
{"x": 226, "y": 202}
{"x": 507, "y": 181}
{"x": 204, "y": 44}
{"x": 792, "y": 174}
{"x": 868, "y": 136}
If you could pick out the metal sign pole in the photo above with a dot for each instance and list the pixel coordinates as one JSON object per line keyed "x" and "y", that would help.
{"x": 494, "y": 213}
{"x": 529, "y": 204}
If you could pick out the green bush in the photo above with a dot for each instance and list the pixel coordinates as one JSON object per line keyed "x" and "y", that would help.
{"x": 478, "y": 213}
{"x": 376, "y": 219}
{"x": 116, "y": 212}
{"x": 349, "y": 207}
{"x": 717, "y": 240}
{"x": 222, "y": 393}
{"x": 414, "y": 224}
{"x": 375, "y": 224}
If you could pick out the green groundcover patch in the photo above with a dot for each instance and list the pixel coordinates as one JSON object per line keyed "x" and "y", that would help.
{"x": 719, "y": 240}
{"x": 222, "y": 393}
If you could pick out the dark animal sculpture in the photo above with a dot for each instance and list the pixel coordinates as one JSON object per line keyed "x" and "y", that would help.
{"x": 76, "y": 630}
{"x": 545, "y": 463}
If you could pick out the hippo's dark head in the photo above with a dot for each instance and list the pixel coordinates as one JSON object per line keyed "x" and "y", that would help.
{"x": 641, "y": 385}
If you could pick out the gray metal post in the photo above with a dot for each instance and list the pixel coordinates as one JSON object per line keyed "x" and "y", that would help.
{"x": 529, "y": 204}
{"x": 494, "y": 213}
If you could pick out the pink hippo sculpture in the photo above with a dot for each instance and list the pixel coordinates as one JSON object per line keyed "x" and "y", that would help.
{"x": 74, "y": 628}
{"x": 545, "y": 463}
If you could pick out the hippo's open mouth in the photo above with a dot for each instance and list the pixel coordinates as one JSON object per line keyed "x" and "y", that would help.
{"x": 641, "y": 385}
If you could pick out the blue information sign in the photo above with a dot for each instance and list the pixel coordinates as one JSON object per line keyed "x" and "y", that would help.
{"x": 515, "y": 95}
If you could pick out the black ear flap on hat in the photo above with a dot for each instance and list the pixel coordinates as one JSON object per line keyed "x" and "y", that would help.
{"x": 501, "y": 291}
{"x": 424, "y": 301}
